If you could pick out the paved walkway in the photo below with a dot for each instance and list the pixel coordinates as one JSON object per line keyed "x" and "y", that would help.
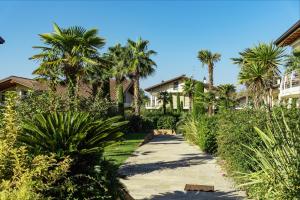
{"x": 160, "y": 169}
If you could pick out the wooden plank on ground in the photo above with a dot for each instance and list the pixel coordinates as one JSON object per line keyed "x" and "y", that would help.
{"x": 202, "y": 188}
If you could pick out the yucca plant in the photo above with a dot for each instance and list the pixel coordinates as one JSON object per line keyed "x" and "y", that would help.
{"x": 276, "y": 163}
{"x": 72, "y": 134}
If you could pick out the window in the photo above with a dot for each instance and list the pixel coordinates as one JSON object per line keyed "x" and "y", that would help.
{"x": 24, "y": 93}
{"x": 175, "y": 85}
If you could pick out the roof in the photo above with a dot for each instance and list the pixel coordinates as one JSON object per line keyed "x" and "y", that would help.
{"x": 84, "y": 89}
{"x": 290, "y": 36}
{"x": 127, "y": 86}
{"x": 170, "y": 81}
{"x": 166, "y": 82}
{"x": 30, "y": 83}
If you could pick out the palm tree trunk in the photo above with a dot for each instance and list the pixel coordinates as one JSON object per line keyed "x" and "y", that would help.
{"x": 120, "y": 98}
{"x": 136, "y": 83}
{"x": 210, "y": 77}
{"x": 52, "y": 86}
{"x": 210, "y": 85}
{"x": 71, "y": 82}
{"x": 190, "y": 103}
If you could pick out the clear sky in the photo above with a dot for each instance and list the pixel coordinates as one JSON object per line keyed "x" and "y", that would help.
{"x": 177, "y": 30}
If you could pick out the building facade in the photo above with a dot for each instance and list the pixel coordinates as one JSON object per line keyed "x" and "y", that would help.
{"x": 174, "y": 87}
{"x": 290, "y": 82}
{"x": 22, "y": 85}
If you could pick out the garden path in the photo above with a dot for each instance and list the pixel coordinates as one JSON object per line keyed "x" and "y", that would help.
{"x": 160, "y": 169}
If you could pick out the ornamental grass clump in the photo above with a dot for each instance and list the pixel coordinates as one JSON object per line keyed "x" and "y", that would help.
{"x": 276, "y": 162}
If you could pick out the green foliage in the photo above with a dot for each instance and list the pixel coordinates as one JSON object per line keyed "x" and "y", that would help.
{"x": 98, "y": 107}
{"x": 38, "y": 103}
{"x": 236, "y": 128}
{"x": 166, "y": 122}
{"x": 71, "y": 134}
{"x": 201, "y": 131}
{"x": 226, "y": 94}
{"x": 171, "y": 102}
{"x": 120, "y": 99}
{"x": 178, "y": 103}
{"x": 276, "y": 173}
{"x": 23, "y": 176}
{"x": 67, "y": 53}
{"x": 259, "y": 66}
{"x": 198, "y": 106}
{"x": 165, "y": 98}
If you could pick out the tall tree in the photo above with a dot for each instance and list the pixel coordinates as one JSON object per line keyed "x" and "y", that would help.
{"x": 98, "y": 78}
{"x": 49, "y": 73}
{"x": 226, "y": 95}
{"x": 165, "y": 98}
{"x": 198, "y": 99}
{"x": 118, "y": 56}
{"x": 75, "y": 48}
{"x": 260, "y": 69}
{"x": 188, "y": 89}
{"x": 141, "y": 66}
{"x": 208, "y": 58}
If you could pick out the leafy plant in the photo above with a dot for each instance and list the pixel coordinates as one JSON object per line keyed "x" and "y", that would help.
{"x": 166, "y": 122}
{"x": 208, "y": 58}
{"x": 276, "y": 162}
{"x": 23, "y": 176}
{"x": 71, "y": 134}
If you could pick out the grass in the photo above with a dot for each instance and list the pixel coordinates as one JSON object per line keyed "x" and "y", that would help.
{"x": 120, "y": 151}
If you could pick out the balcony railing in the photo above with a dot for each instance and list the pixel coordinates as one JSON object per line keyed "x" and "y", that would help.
{"x": 290, "y": 85}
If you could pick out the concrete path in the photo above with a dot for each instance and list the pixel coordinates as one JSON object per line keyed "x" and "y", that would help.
{"x": 160, "y": 169}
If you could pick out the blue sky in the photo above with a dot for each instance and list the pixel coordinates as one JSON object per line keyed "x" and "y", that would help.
{"x": 177, "y": 30}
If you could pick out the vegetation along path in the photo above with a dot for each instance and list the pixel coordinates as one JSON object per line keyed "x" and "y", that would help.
{"x": 161, "y": 168}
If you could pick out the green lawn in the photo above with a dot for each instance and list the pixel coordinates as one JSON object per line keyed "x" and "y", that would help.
{"x": 120, "y": 151}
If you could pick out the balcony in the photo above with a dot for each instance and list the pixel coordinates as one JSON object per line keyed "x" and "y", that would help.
{"x": 290, "y": 86}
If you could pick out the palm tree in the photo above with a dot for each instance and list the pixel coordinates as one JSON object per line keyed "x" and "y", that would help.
{"x": 292, "y": 64}
{"x": 141, "y": 66}
{"x": 48, "y": 73}
{"x": 165, "y": 98}
{"x": 260, "y": 69}
{"x": 226, "y": 93}
{"x": 75, "y": 48}
{"x": 254, "y": 77}
{"x": 188, "y": 89}
{"x": 98, "y": 78}
{"x": 208, "y": 58}
{"x": 118, "y": 56}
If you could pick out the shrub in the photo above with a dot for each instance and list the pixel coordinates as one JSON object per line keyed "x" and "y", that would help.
{"x": 71, "y": 134}
{"x": 207, "y": 133}
{"x": 166, "y": 122}
{"x": 139, "y": 123}
{"x": 201, "y": 131}
{"x": 236, "y": 128}
{"x": 276, "y": 162}
{"x": 23, "y": 176}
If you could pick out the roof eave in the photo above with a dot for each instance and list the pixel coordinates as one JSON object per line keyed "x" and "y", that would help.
{"x": 279, "y": 41}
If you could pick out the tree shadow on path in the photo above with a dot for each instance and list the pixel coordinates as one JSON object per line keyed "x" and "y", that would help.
{"x": 180, "y": 195}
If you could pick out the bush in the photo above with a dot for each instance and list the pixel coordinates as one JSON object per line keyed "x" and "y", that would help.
{"x": 207, "y": 133}
{"x": 236, "y": 128}
{"x": 201, "y": 131}
{"x": 167, "y": 122}
{"x": 276, "y": 172}
{"x": 22, "y": 175}
{"x": 139, "y": 123}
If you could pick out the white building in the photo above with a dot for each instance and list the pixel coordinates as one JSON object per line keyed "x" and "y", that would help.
{"x": 290, "y": 83}
{"x": 173, "y": 86}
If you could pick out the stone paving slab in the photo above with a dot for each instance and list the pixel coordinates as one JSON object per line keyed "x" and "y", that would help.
{"x": 160, "y": 169}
